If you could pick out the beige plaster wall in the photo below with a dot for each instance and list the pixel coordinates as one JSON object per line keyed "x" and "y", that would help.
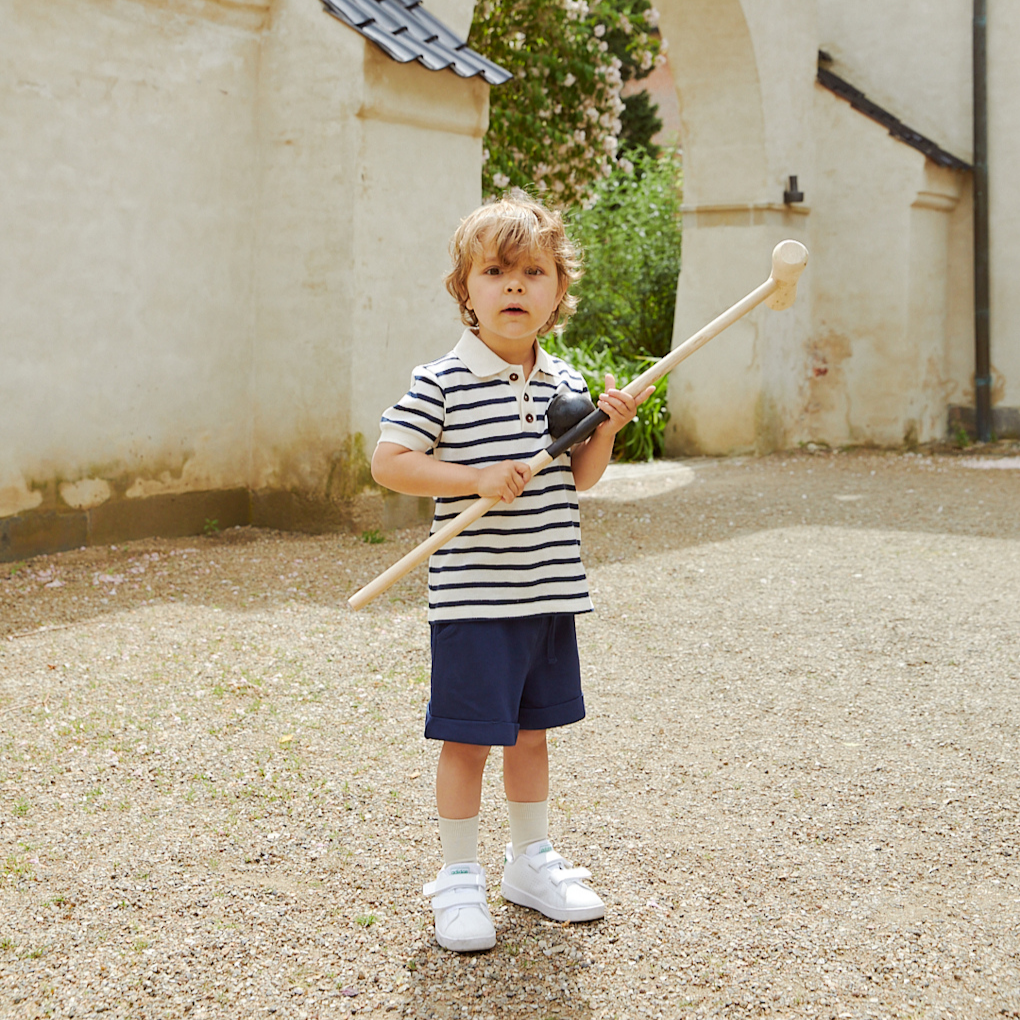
{"x": 225, "y": 229}
{"x": 455, "y": 14}
{"x": 913, "y": 57}
{"x": 127, "y": 200}
{"x": 744, "y": 84}
{"x": 422, "y": 183}
{"x": 306, "y": 249}
{"x": 880, "y": 342}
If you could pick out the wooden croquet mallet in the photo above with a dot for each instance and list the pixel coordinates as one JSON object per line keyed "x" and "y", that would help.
{"x": 778, "y": 292}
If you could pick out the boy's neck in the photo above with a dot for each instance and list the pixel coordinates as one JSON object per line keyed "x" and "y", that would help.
{"x": 519, "y": 352}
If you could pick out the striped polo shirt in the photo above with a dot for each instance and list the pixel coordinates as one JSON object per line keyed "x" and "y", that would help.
{"x": 519, "y": 559}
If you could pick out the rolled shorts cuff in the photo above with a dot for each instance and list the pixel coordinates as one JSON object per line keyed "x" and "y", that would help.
{"x": 552, "y": 715}
{"x": 462, "y": 731}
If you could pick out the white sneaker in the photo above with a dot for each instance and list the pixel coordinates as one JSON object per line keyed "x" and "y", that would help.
{"x": 463, "y": 922}
{"x": 541, "y": 879}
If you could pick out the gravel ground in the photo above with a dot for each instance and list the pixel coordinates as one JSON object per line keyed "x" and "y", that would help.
{"x": 797, "y": 785}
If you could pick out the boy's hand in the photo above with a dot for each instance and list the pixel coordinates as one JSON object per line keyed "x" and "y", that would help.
{"x": 619, "y": 405}
{"x": 505, "y": 480}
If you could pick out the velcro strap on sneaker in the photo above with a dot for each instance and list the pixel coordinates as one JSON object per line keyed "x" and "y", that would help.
{"x": 461, "y": 896}
{"x": 455, "y": 880}
{"x": 561, "y": 875}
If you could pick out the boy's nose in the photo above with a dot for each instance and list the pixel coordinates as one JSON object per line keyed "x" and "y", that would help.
{"x": 514, "y": 283}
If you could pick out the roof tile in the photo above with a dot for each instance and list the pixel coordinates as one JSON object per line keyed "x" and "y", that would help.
{"x": 405, "y": 31}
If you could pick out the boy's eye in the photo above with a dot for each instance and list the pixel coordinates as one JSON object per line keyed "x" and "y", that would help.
{"x": 493, "y": 271}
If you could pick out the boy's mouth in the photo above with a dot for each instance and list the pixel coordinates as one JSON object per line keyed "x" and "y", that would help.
{"x": 513, "y": 308}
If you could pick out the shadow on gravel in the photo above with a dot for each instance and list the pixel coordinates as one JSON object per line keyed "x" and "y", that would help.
{"x": 251, "y": 570}
{"x": 537, "y": 966}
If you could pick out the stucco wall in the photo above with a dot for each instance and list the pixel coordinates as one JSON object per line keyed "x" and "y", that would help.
{"x": 225, "y": 228}
{"x": 881, "y": 341}
{"x": 913, "y": 57}
{"x": 127, "y": 212}
{"x": 745, "y": 88}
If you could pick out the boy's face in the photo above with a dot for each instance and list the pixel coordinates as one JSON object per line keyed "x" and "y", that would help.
{"x": 512, "y": 303}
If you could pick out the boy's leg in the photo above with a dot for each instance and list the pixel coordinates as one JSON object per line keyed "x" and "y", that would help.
{"x": 526, "y": 782}
{"x": 459, "y": 779}
{"x": 534, "y": 875}
{"x": 463, "y": 922}
{"x": 459, "y": 798}
{"x": 526, "y": 767}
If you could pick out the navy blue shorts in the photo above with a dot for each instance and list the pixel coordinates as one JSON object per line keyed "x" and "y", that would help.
{"x": 491, "y": 678}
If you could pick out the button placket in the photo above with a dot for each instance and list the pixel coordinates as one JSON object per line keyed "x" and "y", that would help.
{"x": 519, "y": 387}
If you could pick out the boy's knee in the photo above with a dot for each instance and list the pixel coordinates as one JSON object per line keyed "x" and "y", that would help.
{"x": 475, "y": 754}
{"x": 530, "y": 739}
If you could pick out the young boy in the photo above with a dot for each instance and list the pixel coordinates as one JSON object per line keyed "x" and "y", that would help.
{"x": 503, "y": 593}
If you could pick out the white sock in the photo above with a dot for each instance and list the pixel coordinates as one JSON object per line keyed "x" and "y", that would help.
{"x": 529, "y": 822}
{"x": 459, "y": 837}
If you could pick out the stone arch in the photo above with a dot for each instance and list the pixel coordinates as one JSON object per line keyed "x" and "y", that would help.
{"x": 719, "y": 90}
{"x": 744, "y": 75}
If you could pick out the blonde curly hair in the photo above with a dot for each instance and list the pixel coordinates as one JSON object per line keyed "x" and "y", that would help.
{"x": 517, "y": 226}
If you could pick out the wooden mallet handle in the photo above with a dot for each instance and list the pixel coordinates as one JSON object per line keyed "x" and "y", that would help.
{"x": 779, "y": 291}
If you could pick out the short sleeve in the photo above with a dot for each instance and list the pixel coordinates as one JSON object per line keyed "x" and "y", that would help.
{"x": 416, "y": 420}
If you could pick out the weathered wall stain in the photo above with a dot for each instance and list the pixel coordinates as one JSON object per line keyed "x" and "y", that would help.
{"x": 825, "y": 411}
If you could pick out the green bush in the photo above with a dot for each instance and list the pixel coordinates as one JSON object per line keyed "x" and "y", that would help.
{"x": 643, "y": 438}
{"x": 630, "y": 236}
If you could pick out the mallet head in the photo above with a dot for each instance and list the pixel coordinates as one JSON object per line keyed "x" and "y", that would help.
{"x": 788, "y": 261}
{"x": 565, "y": 410}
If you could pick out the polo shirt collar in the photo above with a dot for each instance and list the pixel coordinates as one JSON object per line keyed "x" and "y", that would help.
{"x": 483, "y": 362}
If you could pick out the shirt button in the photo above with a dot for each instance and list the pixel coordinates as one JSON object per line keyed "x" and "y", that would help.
{"x": 514, "y": 377}
{"x": 526, "y": 397}
{"x": 529, "y": 417}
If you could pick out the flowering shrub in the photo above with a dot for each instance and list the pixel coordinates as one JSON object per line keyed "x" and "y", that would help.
{"x": 555, "y": 126}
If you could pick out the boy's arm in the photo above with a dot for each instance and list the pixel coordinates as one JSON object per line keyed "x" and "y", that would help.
{"x": 418, "y": 474}
{"x": 588, "y": 460}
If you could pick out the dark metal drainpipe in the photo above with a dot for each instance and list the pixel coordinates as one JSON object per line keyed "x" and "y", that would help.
{"x": 982, "y": 312}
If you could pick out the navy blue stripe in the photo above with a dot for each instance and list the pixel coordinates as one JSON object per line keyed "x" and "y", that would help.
{"x": 414, "y": 394}
{"x": 466, "y": 387}
{"x": 506, "y": 602}
{"x": 512, "y": 514}
{"x": 527, "y": 493}
{"x": 453, "y": 367}
{"x": 483, "y": 403}
{"x": 480, "y": 422}
{"x": 417, "y": 413}
{"x": 514, "y": 532}
{"x": 515, "y": 511}
{"x": 486, "y": 461}
{"x": 411, "y": 428}
{"x": 505, "y": 584}
{"x": 500, "y": 550}
{"x": 538, "y": 565}
{"x": 524, "y": 455}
